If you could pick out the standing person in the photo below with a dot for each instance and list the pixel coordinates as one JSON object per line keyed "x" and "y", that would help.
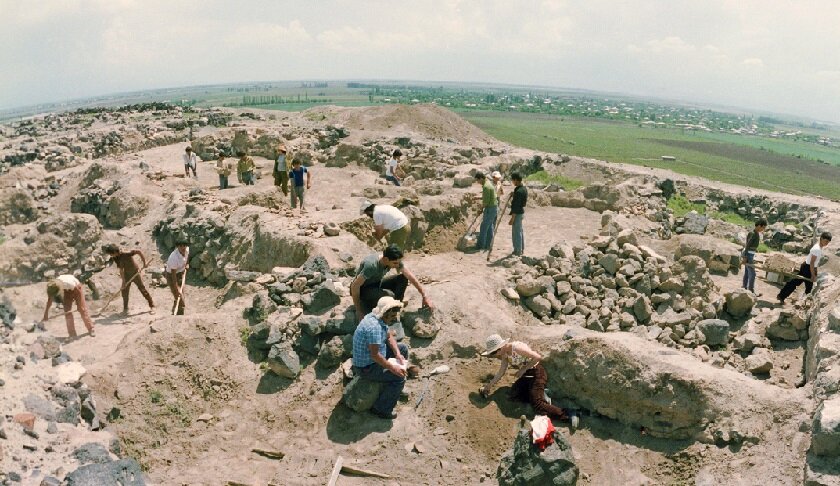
{"x": 176, "y": 265}
{"x": 281, "y": 171}
{"x": 245, "y": 167}
{"x": 223, "y": 168}
{"x": 371, "y": 283}
{"x": 129, "y": 274}
{"x": 189, "y": 162}
{"x": 373, "y": 345}
{"x": 391, "y": 167}
{"x": 808, "y": 269}
{"x": 388, "y": 220}
{"x": 748, "y": 254}
{"x": 296, "y": 175}
{"x": 67, "y": 289}
{"x": 497, "y": 183}
{"x": 530, "y": 379}
{"x": 491, "y": 209}
{"x": 517, "y": 213}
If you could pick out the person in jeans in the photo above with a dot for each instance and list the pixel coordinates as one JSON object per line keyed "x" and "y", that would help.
{"x": 531, "y": 377}
{"x": 391, "y": 167}
{"x": 371, "y": 283}
{"x": 808, "y": 269}
{"x": 373, "y": 345}
{"x": 490, "y": 202}
{"x": 517, "y": 213}
{"x": 245, "y": 168}
{"x": 223, "y": 168}
{"x": 281, "y": 171}
{"x": 388, "y": 220}
{"x": 298, "y": 188}
{"x": 67, "y": 289}
{"x": 189, "y": 162}
{"x": 748, "y": 254}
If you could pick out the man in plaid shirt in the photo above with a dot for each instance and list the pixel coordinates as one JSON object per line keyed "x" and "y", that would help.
{"x": 373, "y": 344}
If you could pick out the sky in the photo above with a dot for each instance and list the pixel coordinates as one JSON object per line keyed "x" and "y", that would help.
{"x": 769, "y": 55}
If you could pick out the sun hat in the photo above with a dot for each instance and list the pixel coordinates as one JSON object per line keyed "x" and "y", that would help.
{"x": 282, "y": 148}
{"x": 385, "y": 304}
{"x": 494, "y": 342}
{"x": 496, "y": 175}
{"x": 365, "y": 204}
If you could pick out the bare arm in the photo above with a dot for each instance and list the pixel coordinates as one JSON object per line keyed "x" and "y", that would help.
{"x": 813, "y": 264}
{"x": 379, "y": 231}
{"x": 174, "y": 281}
{"x": 142, "y": 256}
{"x": 417, "y": 285}
{"x": 392, "y": 342}
{"x": 496, "y": 378}
{"x": 47, "y": 308}
{"x": 381, "y": 361}
{"x": 308, "y": 179}
{"x": 355, "y": 293}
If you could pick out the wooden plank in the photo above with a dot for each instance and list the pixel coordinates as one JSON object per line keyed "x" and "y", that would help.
{"x": 336, "y": 471}
{"x": 269, "y": 454}
{"x": 353, "y": 471}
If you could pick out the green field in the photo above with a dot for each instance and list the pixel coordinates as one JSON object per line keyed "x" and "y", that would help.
{"x": 727, "y": 158}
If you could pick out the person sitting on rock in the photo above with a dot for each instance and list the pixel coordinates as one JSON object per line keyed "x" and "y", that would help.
{"x": 129, "y": 274}
{"x": 67, "y": 289}
{"x": 387, "y": 220}
{"x": 748, "y": 254}
{"x": 373, "y": 345}
{"x": 808, "y": 269}
{"x": 531, "y": 377}
{"x": 370, "y": 283}
{"x": 245, "y": 169}
{"x": 189, "y": 162}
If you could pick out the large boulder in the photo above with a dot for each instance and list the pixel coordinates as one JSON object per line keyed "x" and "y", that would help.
{"x": 125, "y": 472}
{"x": 526, "y": 465}
{"x": 759, "y": 362}
{"x": 720, "y": 256}
{"x": 825, "y": 439}
{"x": 324, "y": 297}
{"x": 695, "y": 223}
{"x": 716, "y": 331}
{"x": 360, "y": 394}
{"x": 283, "y": 360}
{"x": 739, "y": 302}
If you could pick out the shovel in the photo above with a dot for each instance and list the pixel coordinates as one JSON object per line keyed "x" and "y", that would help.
{"x": 440, "y": 370}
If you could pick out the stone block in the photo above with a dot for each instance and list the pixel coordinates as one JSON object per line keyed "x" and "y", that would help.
{"x": 825, "y": 437}
{"x": 360, "y": 394}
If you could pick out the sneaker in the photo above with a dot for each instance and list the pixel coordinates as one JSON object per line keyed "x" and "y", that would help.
{"x": 152, "y": 310}
{"x": 92, "y": 333}
{"x": 386, "y": 416}
{"x": 574, "y": 420}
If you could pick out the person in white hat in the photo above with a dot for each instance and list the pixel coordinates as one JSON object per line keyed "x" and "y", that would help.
{"x": 497, "y": 182}
{"x": 373, "y": 345}
{"x": 531, "y": 377}
{"x": 387, "y": 220}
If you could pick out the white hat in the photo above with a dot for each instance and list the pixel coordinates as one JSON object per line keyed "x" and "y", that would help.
{"x": 494, "y": 342}
{"x": 384, "y": 304}
{"x": 365, "y": 204}
{"x": 496, "y": 175}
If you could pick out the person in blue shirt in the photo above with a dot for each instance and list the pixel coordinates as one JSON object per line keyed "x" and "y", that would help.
{"x": 373, "y": 344}
{"x": 298, "y": 189}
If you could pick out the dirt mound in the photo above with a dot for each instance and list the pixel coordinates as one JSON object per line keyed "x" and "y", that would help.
{"x": 432, "y": 121}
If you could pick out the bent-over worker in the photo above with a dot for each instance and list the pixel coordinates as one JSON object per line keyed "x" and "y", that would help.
{"x": 67, "y": 289}
{"x": 388, "y": 220}
{"x": 124, "y": 260}
{"x": 808, "y": 269}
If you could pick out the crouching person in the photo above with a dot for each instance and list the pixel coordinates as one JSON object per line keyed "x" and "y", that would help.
{"x": 373, "y": 345}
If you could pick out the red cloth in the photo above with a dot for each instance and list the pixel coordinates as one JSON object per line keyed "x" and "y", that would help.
{"x": 542, "y": 432}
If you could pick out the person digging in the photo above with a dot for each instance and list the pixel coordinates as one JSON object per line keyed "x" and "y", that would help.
{"x": 808, "y": 269}
{"x": 176, "y": 272}
{"x": 387, "y": 220}
{"x": 129, "y": 274}
{"x": 67, "y": 289}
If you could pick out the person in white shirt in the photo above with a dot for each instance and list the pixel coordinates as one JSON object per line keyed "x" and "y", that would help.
{"x": 176, "y": 265}
{"x": 387, "y": 220}
{"x": 808, "y": 269}
{"x": 391, "y": 167}
{"x": 497, "y": 183}
{"x": 189, "y": 162}
{"x": 67, "y": 289}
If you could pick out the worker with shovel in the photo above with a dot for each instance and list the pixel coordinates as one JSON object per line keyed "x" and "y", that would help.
{"x": 67, "y": 289}
{"x": 176, "y": 274}
{"x": 490, "y": 203}
{"x": 129, "y": 273}
{"x": 808, "y": 269}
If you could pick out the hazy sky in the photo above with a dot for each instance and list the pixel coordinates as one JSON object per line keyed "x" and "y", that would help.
{"x": 781, "y": 56}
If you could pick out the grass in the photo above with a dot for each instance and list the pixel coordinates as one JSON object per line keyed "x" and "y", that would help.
{"x": 244, "y": 334}
{"x": 544, "y": 177}
{"x": 680, "y": 205}
{"x": 155, "y": 396}
{"x": 733, "y": 218}
{"x": 721, "y": 157}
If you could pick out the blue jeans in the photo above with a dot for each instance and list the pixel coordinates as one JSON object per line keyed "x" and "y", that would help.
{"x": 223, "y": 181}
{"x": 488, "y": 226}
{"x": 392, "y": 179}
{"x": 392, "y": 385}
{"x": 749, "y": 272}
{"x": 518, "y": 234}
{"x": 248, "y": 178}
{"x": 297, "y": 194}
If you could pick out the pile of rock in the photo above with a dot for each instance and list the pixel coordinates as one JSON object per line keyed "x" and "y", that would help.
{"x": 17, "y": 207}
{"x": 211, "y": 246}
{"x": 113, "y": 206}
{"x": 526, "y": 465}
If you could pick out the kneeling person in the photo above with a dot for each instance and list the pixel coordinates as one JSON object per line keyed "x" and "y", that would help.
{"x": 373, "y": 345}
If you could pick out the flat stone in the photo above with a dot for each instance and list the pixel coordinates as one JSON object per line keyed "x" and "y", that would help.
{"x": 716, "y": 331}
{"x": 825, "y": 438}
{"x": 759, "y": 362}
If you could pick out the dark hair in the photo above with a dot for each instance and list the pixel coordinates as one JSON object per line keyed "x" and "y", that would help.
{"x": 241, "y": 153}
{"x": 825, "y": 236}
{"x": 182, "y": 243}
{"x": 396, "y": 153}
{"x": 392, "y": 252}
{"x": 369, "y": 209}
{"x": 516, "y": 176}
{"x": 188, "y": 149}
{"x": 111, "y": 248}
{"x": 479, "y": 175}
{"x": 761, "y": 222}
{"x": 296, "y": 162}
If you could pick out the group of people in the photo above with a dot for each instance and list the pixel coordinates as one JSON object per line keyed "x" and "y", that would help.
{"x": 491, "y": 191}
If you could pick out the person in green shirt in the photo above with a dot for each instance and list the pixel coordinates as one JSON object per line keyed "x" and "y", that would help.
{"x": 490, "y": 202}
{"x": 748, "y": 254}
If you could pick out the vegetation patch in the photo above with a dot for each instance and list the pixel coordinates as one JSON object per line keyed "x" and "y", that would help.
{"x": 544, "y": 177}
{"x": 680, "y": 205}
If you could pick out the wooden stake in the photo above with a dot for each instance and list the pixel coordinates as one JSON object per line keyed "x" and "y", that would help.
{"x": 336, "y": 471}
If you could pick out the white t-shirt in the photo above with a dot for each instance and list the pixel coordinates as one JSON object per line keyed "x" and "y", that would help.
{"x": 67, "y": 282}
{"x": 816, "y": 250}
{"x": 390, "y": 167}
{"x": 176, "y": 261}
{"x": 189, "y": 159}
{"x": 389, "y": 217}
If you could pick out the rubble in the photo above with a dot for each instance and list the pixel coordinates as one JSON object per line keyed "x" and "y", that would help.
{"x": 524, "y": 464}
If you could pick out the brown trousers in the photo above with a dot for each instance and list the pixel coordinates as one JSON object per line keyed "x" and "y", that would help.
{"x": 173, "y": 287}
{"x": 140, "y": 286}
{"x": 531, "y": 388}
{"x": 76, "y": 295}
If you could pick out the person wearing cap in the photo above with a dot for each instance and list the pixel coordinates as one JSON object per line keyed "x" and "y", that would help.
{"x": 517, "y": 213}
{"x": 808, "y": 269}
{"x": 176, "y": 265}
{"x": 189, "y": 162}
{"x": 530, "y": 379}
{"x": 391, "y": 167}
{"x": 67, "y": 289}
{"x": 387, "y": 220}
{"x": 490, "y": 202}
{"x": 371, "y": 283}
{"x": 373, "y": 345}
{"x": 223, "y": 168}
{"x": 124, "y": 260}
{"x": 281, "y": 171}
{"x": 497, "y": 183}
